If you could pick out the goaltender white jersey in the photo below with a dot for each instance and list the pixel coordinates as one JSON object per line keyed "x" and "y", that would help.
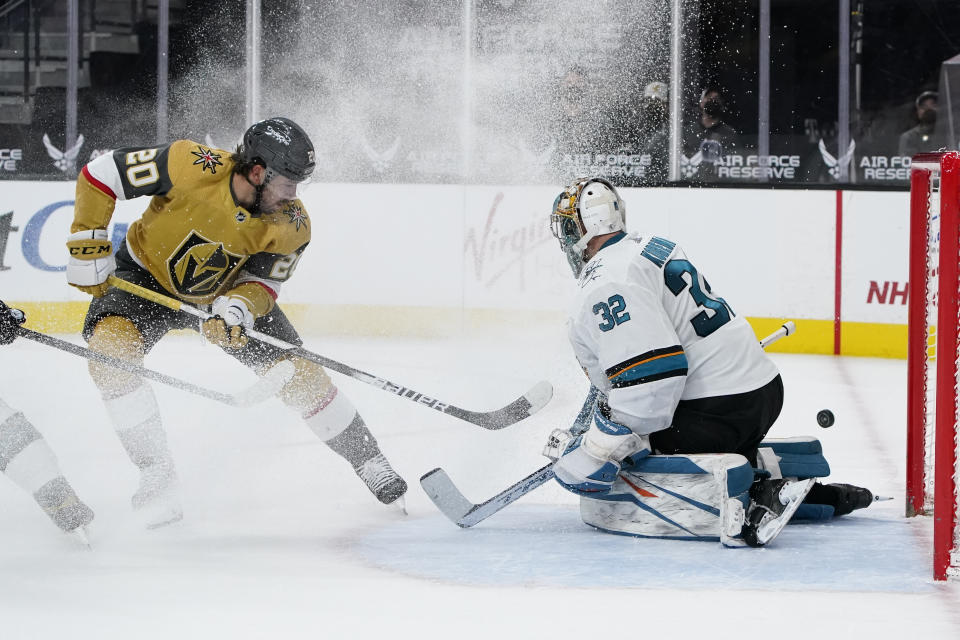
{"x": 649, "y": 331}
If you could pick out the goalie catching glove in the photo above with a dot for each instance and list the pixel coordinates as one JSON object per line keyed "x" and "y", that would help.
{"x": 10, "y": 321}
{"x": 589, "y": 463}
{"x": 231, "y": 317}
{"x": 91, "y": 261}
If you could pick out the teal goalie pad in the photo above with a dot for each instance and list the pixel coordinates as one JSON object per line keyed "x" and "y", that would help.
{"x": 800, "y": 457}
{"x": 685, "y": 497}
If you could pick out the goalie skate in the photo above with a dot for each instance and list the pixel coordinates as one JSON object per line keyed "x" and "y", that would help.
{"x": 772, "y": 504}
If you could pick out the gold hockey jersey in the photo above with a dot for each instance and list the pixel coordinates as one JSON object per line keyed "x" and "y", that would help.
{"x": 193, "y": 237}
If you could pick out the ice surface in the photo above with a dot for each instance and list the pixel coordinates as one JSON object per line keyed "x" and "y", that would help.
{"x": 281, "y": 540}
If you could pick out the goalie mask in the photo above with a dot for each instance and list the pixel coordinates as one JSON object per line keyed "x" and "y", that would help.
{"x": 588, "y": 208}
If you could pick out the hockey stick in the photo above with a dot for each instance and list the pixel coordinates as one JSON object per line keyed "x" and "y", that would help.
{"x": 524, "y": 406}
{"x": 452, "y": 503}
{"x": 788, "y": 328}
{"x": 266, "y": 387}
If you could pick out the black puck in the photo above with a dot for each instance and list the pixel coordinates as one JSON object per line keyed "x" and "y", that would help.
{"x": 825, "y": 418}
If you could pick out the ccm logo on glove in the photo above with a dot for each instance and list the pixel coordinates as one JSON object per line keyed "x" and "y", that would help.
{"x": 91, "y": 261}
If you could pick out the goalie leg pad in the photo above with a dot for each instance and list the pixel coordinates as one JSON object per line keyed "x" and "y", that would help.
{"x": 800, "y": 457}
{"x": 687, "y": 497}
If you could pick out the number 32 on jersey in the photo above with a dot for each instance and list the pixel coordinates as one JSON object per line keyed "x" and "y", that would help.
{"x": 715, "y": 310}
{"x": 613, "y": 312}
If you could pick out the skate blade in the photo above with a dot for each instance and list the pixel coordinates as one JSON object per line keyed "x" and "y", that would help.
{"x": 399, "y": 505}
{"x": 157, "y": 516}
{"x": 80, "y": 537}
{"x": 166, "y": 520}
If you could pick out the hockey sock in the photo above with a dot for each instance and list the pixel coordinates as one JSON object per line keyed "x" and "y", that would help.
{"x": 355, "y": 443}
{"x": 335, "y": 421}
{"x": 136, "y": 419}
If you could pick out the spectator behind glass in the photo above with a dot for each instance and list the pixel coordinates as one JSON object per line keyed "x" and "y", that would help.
{"x": 920, "y": 137}
{"x": 710, "y": 135}
{"x": 578, "y": 120}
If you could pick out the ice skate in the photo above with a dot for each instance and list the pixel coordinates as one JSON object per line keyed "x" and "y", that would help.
{"x": 59, "y": 501}
{"x": 772, "y": 504}
{"x": 157, "y": 500}
{"x": 71, "y": 515}
{"x": 382, "y": 480}
{"x": 844, "y": 498}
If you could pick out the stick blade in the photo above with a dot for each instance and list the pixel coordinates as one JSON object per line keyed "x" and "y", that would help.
{"x": 538, "y": 396}
{"x": 523, "y": 407}
{"x": 444, "y": 494}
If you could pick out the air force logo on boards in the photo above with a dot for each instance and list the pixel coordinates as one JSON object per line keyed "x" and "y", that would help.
{"x": 198, "y": 267}
{"x": 690, "y": 166}
{"x": 379, "y": 160}
{"x": 837, "y": 165}
{"x": 65, "y": 161}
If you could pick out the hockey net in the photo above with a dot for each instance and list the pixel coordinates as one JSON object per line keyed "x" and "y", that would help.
{"x": 932, "y": 409}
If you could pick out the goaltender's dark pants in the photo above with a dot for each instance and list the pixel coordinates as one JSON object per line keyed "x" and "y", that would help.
{"x": 154, "y": 321}
{"x": 722, "y": 424}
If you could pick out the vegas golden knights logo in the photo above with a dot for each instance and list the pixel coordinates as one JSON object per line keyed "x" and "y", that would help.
{"x": 200, "y": 266}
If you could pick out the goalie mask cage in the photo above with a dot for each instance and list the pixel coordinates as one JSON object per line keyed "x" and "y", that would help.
{"x": 932, "y": 353}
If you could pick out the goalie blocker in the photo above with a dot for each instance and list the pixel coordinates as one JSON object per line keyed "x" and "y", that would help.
{"x": 708, "y": 496}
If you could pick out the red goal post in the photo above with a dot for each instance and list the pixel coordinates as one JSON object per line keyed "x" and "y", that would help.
{"x": 932, "y": 415}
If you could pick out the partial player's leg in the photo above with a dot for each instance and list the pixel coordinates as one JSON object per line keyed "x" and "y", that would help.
{"x": 135, "y": 414}
{"x": 737, "y": 424}
{"x": 124, "y": 326}
{"x": 326, "y": 410}
{"x": 26, "y": 458}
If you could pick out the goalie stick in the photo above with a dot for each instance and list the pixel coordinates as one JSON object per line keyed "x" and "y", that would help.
{"x": 524, "y": 406}
{"x": 266, "y": 387}
{"x": 452, "y": 503}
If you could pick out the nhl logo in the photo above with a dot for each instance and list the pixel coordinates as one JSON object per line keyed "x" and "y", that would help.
{"x": 241, "y": 216}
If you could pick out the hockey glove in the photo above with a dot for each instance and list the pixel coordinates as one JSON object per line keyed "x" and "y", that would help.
{"x": 10, "y": 320}
{"x": 592, "y": 461}
{"x": 91, "y": 261}
{"x": 559, "y": 439}
{"x": 226, "y": 328}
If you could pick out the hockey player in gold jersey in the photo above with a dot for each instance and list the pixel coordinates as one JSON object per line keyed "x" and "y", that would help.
{"x": 224, "y": 230}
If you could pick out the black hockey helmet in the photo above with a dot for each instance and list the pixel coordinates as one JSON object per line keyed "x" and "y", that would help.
{"x": 282, "y": 146}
